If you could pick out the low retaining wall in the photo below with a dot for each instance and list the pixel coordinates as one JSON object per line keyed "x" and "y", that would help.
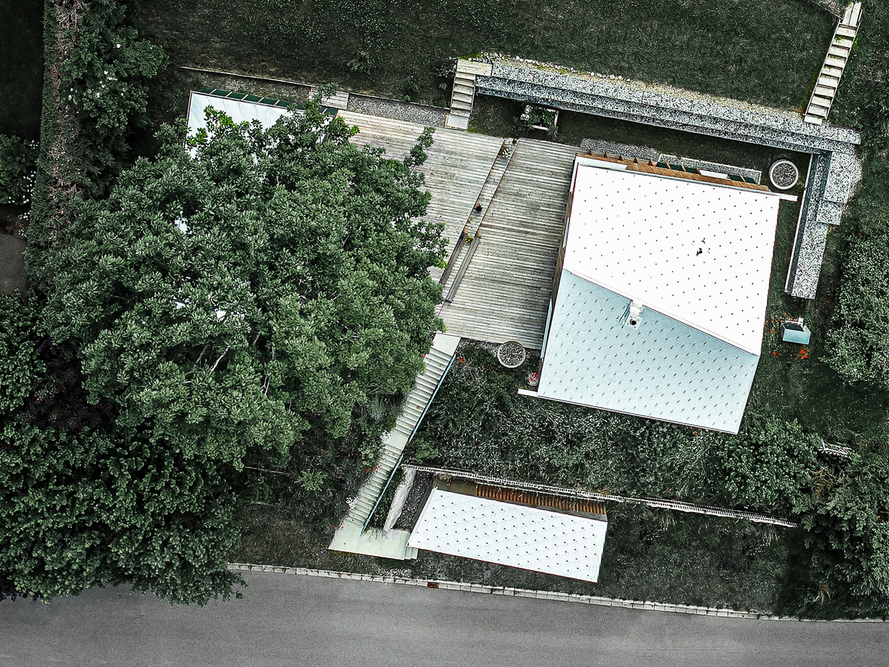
{"x": 676, "y": 505}
{"x": 673, "y": 108}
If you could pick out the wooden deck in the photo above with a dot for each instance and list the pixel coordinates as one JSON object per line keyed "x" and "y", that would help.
{"x": 456, "y": 170}
{"x": 505, "y": 291}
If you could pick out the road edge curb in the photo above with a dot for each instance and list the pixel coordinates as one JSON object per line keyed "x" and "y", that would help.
{"x": 540, "y": 595}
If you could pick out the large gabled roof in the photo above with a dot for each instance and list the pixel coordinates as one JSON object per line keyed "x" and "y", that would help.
{"x": 698, "y": 252}
{"x": 661, "y": 297}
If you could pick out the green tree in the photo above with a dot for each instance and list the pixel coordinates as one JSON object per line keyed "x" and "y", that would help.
{"x": 767, "y": 464}
{"x": 858, "y": 345}
{"x": 19, "y": 363}
{"x": 107, "y": 75}
{"x": 18, "y": 166}
{"x": 846, "y": 517}
{"x": 266, "y": 286}
{"x": 84, "y": 500}
{"x": 80, "y": 509}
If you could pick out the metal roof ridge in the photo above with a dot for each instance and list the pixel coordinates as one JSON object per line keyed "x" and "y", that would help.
{"x": 633, "y": 297}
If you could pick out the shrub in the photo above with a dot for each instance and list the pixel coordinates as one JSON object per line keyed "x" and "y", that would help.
{"x": 769, "y": 463}
{"x": 845, "y": 517}
{"x": 107, "y": 75}
{"x": 858, "y": 346}
{"x": 18, "y": 167}
{"x": 535, "y": 116}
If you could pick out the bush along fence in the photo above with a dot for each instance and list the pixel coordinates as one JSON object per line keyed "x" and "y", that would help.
{"x": 650, "y": 502}
{"x": 95, "y": 97}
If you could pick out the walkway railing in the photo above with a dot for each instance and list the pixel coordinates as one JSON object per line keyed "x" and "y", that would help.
{"x": 677, "y": 505}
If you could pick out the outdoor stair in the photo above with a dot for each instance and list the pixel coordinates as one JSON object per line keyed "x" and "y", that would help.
{"x": 834, "y": 64}
{"x": 463, "y": 92}
{"x": 463, "y": 251}
{"x": 340, "y": 100}
{"x": 352, "y": 536}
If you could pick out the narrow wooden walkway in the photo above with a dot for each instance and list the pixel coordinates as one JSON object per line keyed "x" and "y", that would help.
{"x": 456, "y": 170}
{"x": 462, "y": 253}
{"x": 505, "y": 291}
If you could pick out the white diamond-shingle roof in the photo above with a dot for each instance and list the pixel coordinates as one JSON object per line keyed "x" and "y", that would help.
{"x": 694, "y": 251}
{"x": 664, "y": 369}
{"x": 691, "y": 262}
{"x": 508, "y": 534}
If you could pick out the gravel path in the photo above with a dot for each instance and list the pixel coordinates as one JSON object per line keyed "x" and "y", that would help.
{"x": 627, "y": 150}
{"x": 407, "y": 111}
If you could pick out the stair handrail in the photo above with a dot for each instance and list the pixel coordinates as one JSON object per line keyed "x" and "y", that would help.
{"x": 407, "y": 442}
{"x": 383, "y": 492}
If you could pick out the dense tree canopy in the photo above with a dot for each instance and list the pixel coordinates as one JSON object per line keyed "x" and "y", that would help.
{"x": 270, "y": 284}
{"x": 846, "y": 517}
{"x": 858, "y": 345}
{"x": 85, "y": 500}
{"x": 244, "y": 291}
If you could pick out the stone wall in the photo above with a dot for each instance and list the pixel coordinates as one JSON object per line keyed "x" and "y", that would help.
{"x": 834, "y": 148}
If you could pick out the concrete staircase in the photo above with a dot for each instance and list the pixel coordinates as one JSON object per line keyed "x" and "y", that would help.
{"x": 463, "y": 92}
{"x": 340, "y": 100}
{"x": 834, "y": 64}
{"x": 351, "y": 536}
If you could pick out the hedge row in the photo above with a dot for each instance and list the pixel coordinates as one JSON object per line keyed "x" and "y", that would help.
{"x": 95, "y": 96}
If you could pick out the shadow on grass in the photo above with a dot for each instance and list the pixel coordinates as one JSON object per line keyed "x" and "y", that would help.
{"x": 21, "y": 77}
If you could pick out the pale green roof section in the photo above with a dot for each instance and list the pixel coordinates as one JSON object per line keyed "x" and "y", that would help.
{"x": 792, "y": 332}
{"x": 661, "y": 369}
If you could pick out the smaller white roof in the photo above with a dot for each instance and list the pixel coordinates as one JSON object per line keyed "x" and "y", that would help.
{"x": 238, "y": 110}
{"x": 507, "y": 534}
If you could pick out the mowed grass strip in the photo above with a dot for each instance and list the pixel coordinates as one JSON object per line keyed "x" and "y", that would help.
{"x": 765, "y": 51}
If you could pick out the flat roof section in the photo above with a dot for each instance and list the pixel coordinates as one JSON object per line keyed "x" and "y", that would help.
{"x": 698, "y": 252}
{"x": 507, "y": 534}
{"x": 238, "y": 110}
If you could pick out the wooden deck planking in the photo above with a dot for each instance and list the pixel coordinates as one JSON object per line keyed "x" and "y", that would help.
{"x": 455, "y": 171}
{"x": 505, "y": 292}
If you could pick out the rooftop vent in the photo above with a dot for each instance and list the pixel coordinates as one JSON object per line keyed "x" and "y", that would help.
{"x": 633, "y": 315}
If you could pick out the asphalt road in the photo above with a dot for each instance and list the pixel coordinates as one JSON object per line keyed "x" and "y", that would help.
{"x": 300, "y": 620}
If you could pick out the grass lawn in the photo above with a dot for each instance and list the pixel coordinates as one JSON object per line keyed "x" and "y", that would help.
{"x": 21, "y": 77}
{"x": 649, "y": 555}
{"x": 766, "y": 51}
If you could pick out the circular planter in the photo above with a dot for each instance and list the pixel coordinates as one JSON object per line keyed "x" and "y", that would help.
{"x": 511, "y": 354}
{"x": 783, "y": 174}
